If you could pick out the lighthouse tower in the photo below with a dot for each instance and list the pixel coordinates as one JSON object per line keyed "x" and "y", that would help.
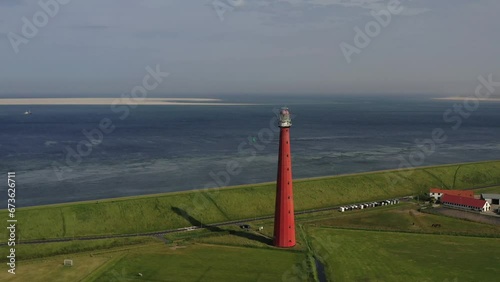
{"x": 284, "y": 218}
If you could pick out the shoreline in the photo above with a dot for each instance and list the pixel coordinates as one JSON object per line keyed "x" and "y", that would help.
{"x": 318, "y": 178}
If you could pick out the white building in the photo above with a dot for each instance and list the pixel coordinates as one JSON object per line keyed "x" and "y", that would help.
{"x": 465, "y": 203}
{"x": 492, "y": 199}
{"x": 437, "y": 193}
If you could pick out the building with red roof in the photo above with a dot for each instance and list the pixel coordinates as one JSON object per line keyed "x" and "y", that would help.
{"x": 465, "y": 203}
{"x": 438, "y": 193}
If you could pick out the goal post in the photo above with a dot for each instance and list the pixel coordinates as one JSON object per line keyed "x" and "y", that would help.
{"x": 68, "y": 262}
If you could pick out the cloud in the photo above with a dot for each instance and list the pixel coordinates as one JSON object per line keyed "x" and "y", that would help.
{"x": 90, "y": 26}
{"x": 237, "y": 3}
{"x": 11, "y": 2}
{"x": 276, "y": 46}
{"x": 376, "y": 5}
{"x": 320, "y": 14}
{"x": 407, "y": 11}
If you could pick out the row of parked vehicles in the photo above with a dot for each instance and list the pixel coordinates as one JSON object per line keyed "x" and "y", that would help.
{"x": 368, "y": 205}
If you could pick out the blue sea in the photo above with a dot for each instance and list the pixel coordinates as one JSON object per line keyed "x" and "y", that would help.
{"x": 159, "y": 149}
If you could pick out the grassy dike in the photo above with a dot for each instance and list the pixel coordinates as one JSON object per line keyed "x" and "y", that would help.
{"x": 155, "y": 212}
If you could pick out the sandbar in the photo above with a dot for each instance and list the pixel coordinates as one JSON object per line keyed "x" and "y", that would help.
{"x": 118, "y": 101}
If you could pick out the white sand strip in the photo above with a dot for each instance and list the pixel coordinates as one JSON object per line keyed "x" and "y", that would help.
{"x": 118, "y": 101}
{"x": 468, "y": 98}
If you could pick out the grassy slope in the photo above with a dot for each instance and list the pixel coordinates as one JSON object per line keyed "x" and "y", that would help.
{"x": 353, "y": 255}
{"x": 490, "y": 190}
{"x": 152, "y": 213}
{"x": 33, "y": 251}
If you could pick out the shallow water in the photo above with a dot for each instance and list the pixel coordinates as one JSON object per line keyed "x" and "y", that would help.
{"x": 171, "y": 148}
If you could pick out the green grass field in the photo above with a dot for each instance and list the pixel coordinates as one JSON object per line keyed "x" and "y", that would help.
{"x": 228, "y": 253}
{"x": 158, "y": 263}
{"x": 356, "y": 255}
{"x": 85, "y": 263}
{"x": 153, "y": 213}
{"x": 405, "y": 218}
{"x": 200, "y": 263}
{"x": 53, "y": 270}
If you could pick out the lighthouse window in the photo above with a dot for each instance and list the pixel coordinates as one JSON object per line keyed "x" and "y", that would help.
{"x": 287, "y": 155}
{"x": 288, "y": 197}
{"x": 287, "y": 168}
{"x": 289, "y": 227}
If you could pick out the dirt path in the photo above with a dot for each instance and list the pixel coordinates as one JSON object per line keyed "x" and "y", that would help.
{"x": 468, "y": 215}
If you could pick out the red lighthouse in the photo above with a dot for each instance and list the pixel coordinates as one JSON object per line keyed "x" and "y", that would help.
{"x": 284, "y": 217}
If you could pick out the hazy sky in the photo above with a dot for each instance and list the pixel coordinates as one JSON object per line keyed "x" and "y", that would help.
{"x": 260, "y": 46}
